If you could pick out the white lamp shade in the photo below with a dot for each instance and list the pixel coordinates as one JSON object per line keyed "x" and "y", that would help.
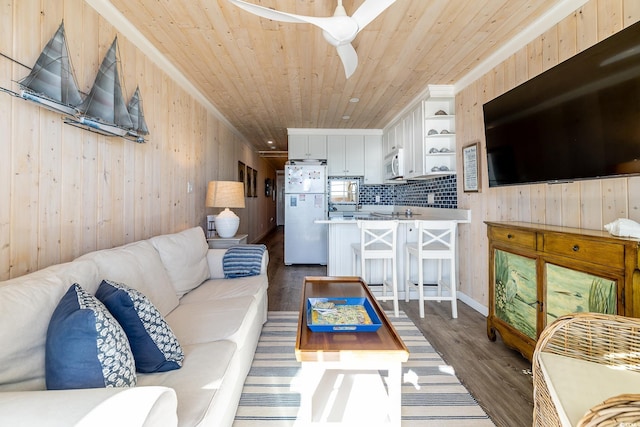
{"x": 226, "y": 194}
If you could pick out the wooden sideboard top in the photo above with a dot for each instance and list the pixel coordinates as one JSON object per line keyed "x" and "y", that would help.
{"x": 530, "y": 226}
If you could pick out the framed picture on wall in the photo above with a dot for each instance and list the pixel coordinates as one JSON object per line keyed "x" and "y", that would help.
{"x": 241, "y": 172}
{"x": 471, "y": 167}
{"x": 248, "y": 183}
{"x": 254, "y": 183}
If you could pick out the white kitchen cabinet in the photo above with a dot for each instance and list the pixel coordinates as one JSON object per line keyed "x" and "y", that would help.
{"x": 393, "y": 137}
{"x": 414, "y": 159}
{"x": 440, "y": 137}
{"x": 373, "y": 173}
{"x": 307, "y": 147}
{"x": 345, "y": 155}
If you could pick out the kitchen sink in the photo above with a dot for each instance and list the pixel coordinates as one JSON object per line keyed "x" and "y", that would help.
{"x": 351, "y": 216}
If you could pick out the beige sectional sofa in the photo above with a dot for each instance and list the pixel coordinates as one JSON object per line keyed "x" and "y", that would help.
{"x": 217, "y": 322}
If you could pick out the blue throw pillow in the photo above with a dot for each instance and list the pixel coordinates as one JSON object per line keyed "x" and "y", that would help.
{"x": 154, "y": 345}
{"x": 85, "y": 346}
{"x": 243, "y": 261}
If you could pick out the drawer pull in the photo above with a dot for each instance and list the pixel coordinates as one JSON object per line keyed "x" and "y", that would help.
{"x": 509, "y": 236}
{"x": 576, "y": 248}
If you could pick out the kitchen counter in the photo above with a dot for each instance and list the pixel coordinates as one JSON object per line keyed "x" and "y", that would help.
{"x": 460, "y": 215}
{"x": 343, "y": 232}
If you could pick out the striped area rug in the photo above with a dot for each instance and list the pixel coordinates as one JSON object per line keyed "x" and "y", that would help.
{"x": 431, "y": 393}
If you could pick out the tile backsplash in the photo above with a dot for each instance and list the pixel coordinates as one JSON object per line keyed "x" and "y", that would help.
{"x": 413, "y": 193}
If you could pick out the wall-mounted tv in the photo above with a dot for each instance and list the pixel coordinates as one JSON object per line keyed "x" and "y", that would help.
{"x": 578, "y": 120}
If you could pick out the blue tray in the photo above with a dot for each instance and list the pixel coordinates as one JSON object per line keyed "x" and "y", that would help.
{"x": 319, "y": 327}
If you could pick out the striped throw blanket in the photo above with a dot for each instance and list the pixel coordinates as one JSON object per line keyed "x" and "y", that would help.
{"x": 242, "y": 260}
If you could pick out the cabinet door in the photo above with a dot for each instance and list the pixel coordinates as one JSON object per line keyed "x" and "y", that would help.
{"x": 390, "y": 140}
{"x": 409, "y": 158}
{"x": 354, "y": 155}
{"x": 399, "y": 135}
{"x": 571, "y": 291}
{"x": 515, "y": 292}
{"x": 417, "y": 139}
{"x": 373, "y": 160}
{"x": 298, "y": 146}
{"x": 317, "y": 148}
{"x": 335, "y": 155}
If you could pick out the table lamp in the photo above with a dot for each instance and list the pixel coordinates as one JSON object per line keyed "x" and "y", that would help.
{"x": 226, "y": 194}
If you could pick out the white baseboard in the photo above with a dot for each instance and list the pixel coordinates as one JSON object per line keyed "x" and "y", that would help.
{"x": 473, "y": 304}
{"x": 376, "y": 289}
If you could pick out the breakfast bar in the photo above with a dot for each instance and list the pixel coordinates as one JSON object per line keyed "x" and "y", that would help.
{"x": 343, "y": 232}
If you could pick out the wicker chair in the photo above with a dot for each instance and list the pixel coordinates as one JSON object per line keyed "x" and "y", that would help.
{"x": 600, "y": 339}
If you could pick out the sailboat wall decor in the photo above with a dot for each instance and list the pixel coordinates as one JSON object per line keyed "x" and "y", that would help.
{"x": 52, "y": 83}
{"x": 104, "y": 110}
{"x": 136, "y": 114}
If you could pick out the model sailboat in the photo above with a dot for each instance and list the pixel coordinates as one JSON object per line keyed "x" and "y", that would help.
{"x": 137, "y": 118}
{"x": 104, "y": 110}
{"x": 51, "y": 83}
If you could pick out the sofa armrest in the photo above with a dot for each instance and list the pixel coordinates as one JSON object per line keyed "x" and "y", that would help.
{"x": 215, "y": 256}
{"x": 136, "y": 406}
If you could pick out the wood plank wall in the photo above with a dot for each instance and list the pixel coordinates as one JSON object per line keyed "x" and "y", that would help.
{"x": 586, "y": 204}
{"x": 65, "y": 191}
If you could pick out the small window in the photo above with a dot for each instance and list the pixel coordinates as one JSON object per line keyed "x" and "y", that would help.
{"x": 343, "y": 191}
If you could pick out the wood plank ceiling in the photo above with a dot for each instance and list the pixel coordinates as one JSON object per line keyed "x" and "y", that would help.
{"x": 266, "y": 76}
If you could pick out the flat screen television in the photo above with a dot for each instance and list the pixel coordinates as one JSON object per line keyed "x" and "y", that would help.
{"x": 578, "y": 120}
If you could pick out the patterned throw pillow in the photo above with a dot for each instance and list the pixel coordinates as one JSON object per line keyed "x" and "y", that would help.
{"x": 86, "y": 347}
{"x": 154, "y": 345}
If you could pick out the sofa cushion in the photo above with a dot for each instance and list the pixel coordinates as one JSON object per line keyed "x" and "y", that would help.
{"x": 217, "y": 289}
{"x": 206, "y": 321}
{"x": 138, "y": 265}
{"x": 184, "y": 256}
{"x": 577, "y": 385}
{"x": 206, "y": 367}
{"x": 26, "y": 305}
{"x": 155, "y": 348}
{"x": 85, "y": 346}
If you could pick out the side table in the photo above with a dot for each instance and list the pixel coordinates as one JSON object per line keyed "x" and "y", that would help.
{"x": 225, "y": 242}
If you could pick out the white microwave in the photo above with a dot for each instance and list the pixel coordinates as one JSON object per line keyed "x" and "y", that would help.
{"x": 394, "y": 165}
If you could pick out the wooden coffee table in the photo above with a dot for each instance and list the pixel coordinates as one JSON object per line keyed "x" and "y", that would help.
{"x": 342, "y": 375}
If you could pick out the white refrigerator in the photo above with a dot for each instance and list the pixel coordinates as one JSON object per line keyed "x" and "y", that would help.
{"x": 305, "y": 188}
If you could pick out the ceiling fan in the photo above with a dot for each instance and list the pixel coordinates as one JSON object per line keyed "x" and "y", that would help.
{"x": 339, "y": 30}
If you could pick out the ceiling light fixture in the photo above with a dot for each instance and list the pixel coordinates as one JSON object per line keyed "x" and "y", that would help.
{"x": 354, "y": 100}
{"x": 346, "y": 117}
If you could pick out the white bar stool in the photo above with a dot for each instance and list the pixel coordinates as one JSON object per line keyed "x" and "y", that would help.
{"x": 378, "y": 240}
{"x": 436, "y": 241}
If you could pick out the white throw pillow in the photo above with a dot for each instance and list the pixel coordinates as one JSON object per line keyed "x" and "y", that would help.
{"x": 184, "y": 256}
{"x": 140, "y": 267}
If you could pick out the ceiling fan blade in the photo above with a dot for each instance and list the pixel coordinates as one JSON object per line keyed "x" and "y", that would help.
{"x": 369, "y": 10}
{"x": 342, "y": 29}
{"x": 349, "y": 58}
{"x": 272, "y": 14}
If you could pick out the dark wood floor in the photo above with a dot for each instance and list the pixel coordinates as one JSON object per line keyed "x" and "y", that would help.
{"x": 498, "y": 378}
